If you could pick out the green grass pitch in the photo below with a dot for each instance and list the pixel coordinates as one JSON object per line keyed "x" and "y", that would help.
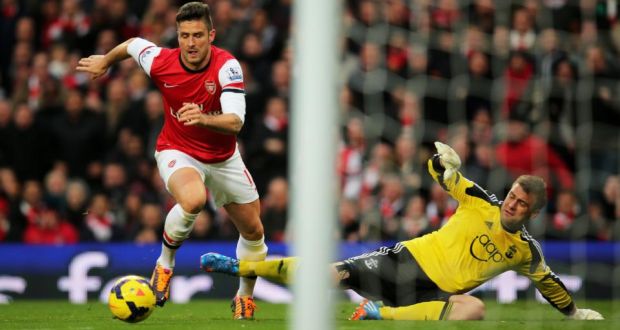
{"x": 215, "y": 314}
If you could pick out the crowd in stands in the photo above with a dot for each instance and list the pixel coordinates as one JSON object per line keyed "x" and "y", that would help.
{"x": 516, "y": 87}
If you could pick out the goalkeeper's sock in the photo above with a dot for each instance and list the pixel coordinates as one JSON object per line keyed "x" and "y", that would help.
{"x": 430, "y": 310}
{"x": 277, "y": 270}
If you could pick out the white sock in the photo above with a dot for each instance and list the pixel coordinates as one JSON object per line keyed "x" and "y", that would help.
{"x": 177, "y": 228}
{"x": 251, "y": 251}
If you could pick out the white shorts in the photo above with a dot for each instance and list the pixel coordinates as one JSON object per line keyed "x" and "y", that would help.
{"x": 228, "y": 181}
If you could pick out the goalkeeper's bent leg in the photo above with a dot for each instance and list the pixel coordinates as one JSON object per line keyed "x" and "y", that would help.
{"x": 458, "y": 307}
{"x": 430, "y": 310}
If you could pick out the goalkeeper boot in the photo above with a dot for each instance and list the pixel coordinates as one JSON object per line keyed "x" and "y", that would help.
{"x": 217, "y": 263}
{"x": 367, "y": 310}
{"x": 243, "y": 308}
{"x": 160, "y": 282}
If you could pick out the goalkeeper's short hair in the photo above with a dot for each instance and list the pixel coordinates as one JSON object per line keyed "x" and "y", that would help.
{"x": 536, "y": 186}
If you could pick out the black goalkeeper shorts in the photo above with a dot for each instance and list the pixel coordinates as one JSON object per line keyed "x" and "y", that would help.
{"x": 391, "y": 275}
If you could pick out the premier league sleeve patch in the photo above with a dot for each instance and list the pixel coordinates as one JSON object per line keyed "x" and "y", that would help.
{"x": 234, "y": 74}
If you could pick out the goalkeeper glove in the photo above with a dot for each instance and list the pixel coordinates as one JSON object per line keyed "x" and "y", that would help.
{"x": 449, "y": 159}
{"x": 585, "y": 314}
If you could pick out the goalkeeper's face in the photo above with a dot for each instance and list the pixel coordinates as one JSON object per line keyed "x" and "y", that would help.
{"x": 517, "y": 208}
{"x": 195, "y": 40}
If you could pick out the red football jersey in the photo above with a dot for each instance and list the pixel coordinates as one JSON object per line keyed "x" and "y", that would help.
{"x": 178, "y": 84}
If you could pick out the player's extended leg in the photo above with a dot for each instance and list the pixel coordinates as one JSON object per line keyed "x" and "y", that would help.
{"x": 251, "y": 247}
{"x": 188, "y": 189}
{"x": 458, "y": 307}
{"x": 279, "y": 270}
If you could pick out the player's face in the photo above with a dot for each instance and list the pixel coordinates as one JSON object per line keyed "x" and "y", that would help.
{"x": 195, "y": 43}
{"x": 517, "y": 207}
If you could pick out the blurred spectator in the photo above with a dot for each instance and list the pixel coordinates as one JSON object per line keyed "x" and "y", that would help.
{"x": 526, "y": 153}
{"x": 76, "y": 198}
{"x": 280, "y": 79}
{"x": 6, "y": 121}
{"x": 445, "y": 14}
{"x": 603, "y": 119}
{"x": 611, "y": 198}
{"x": 599, "y": 228}
{"x": 205, "y": 228}
{"x": 560, "y": 112}
{"x": 518, "y": 78}
{"x": 229, "y": 28}
{"x": 100, "y": 224}
{"x": 391, "y": 206}
{"x": 560, "y": 224}
{"x": 482, "y": 14}
{"x": 24, "y": 141}
{"x": 267, "y": 151}
{"x": 114, "y": 183}
{"x": 5, "y": 223}
{"x": 414, "y": 223}
{"x": 274, "y": 213}
{"x": 71, "y": 27}
{"x": 440, "y": 207}
{"x": 12, "y": 224}
{"x": 55, "y": 189}
{"x": 522, "y": 34}
{"x": 408, "y": 162}
{"x": 154, "y": 109}
{"x": 151, "y": 224}
{"x": 380, "y": 165}
{"x": 78, "y": 136}
{"x": 50, "y": 228}
{"x": 480, "y": 85}
{"x": 350, "y": 156}
{"x": 349, "y": 221}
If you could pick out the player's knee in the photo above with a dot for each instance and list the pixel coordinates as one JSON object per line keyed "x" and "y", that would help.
{"x": 253, "y": 232}
{"x": 476, "y": 309}
{"x": 466, "y": 308}
{"x": 192, "y": 203}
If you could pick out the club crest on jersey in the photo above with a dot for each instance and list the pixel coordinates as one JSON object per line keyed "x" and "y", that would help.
{"x": 210, "y": 86}
{"x": 172, "y": 163}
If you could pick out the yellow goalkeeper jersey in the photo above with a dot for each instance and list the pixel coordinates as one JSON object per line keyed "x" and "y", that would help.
{"x": 472, "y": 247}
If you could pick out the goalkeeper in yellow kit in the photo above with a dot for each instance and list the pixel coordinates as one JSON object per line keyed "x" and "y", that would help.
{"x": 426, "y": 278}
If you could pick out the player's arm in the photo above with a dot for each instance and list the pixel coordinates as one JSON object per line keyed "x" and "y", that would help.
{"x": 551, "y": 287}
{"x": 190, "y": 114}
{"x": 232, "y": 101}
{"x": 443, "y": 168}
{"x": 98, "y": 65}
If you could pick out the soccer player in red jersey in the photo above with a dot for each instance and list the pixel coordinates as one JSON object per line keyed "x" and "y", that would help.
{"x": 203, "y": 94}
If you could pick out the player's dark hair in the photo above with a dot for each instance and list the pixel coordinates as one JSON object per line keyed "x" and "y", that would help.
{"x": 536, "y": 186}
{"x": 193, "y": 11}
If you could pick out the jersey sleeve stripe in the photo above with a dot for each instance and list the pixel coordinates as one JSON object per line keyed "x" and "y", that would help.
{"x": 233, "y": 90}
{"x": 551, "y": 276}
{"x": 234, "y": 85}
{"x": 477, "y": 191}
{"x": 437, "y": 167}
{"x": 534, "y": 248}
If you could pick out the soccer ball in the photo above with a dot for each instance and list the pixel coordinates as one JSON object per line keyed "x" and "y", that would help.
{"x": 132, "y": 299}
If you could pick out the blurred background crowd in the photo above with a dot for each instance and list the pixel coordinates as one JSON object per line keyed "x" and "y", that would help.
{"x": 516, "y": 87}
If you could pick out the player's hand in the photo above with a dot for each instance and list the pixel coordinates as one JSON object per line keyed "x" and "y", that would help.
{"x": 190, "y": 114}
{"x": 449, "y": 159}
{"x": 95, "y": 65}
{"x": 586, "y": 314}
